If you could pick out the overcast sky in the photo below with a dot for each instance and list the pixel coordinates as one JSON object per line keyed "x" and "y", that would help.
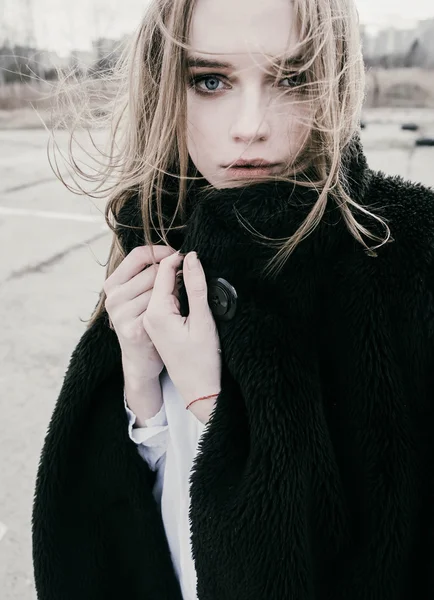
{"x": 66, "y": 24}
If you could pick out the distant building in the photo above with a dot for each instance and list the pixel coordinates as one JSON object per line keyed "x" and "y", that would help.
{"x": 83, "y": 60}
{"x": 393, "y": 42}
{"x": 49, "y": 60}
{"x": 103, "y": 47}
{"x": 398, "y": 48}
{"x": 107, "y": 53}
{"x": 17, "y": 63}
{"x": 368, "y": 41}
{"x": 425, "y": 35}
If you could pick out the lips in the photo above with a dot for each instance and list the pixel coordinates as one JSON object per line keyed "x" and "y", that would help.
{"x": 265, "y": 167}
{"x": 257, "y": 163}
{"x": 252, "y": 171}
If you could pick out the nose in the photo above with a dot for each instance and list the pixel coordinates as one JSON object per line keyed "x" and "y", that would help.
{"x": 250, "y": 123}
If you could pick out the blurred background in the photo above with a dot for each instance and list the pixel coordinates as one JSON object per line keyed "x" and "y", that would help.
{"x": 54, "y": 243}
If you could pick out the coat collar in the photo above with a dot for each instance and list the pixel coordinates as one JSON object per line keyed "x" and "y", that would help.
{"x": 274, "y": 209}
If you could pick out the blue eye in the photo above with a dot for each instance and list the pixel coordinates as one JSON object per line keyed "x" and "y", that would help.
{"x": 195, "y": 81}
{"x": 294, "y": 80}
{"x": 212, "y": 81}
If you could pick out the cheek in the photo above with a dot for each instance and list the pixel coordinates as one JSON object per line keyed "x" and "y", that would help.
{"x": 196, "y": 125}
{"x": 296, "y": 124}
{"x": 204, "y": 127}
{"x": 199, "y": 116}
{"x": 198, "y": 136}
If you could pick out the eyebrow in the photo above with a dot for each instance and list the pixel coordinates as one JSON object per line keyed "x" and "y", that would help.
{"x": 198, "y": 62}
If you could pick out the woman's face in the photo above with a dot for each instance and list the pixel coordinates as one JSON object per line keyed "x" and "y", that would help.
{"x": 240, "y": 111}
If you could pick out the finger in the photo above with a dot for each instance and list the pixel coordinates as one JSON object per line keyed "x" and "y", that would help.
{"x": 165, "y": 281}
{"x": 139, "y": 305}
{"x": 135, "y": 262}
{"x": 196, "y": 286}
{"x": 140, "y": 283}
{"x": 127, "y": 310}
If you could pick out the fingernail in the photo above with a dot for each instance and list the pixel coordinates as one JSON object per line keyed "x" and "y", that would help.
{"x": 192, "y": 260}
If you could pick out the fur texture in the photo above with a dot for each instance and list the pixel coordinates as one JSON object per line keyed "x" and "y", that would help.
{"x": 315, "y": 478}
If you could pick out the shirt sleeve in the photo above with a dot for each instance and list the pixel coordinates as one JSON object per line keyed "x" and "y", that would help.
{"x": 151, "y": 440}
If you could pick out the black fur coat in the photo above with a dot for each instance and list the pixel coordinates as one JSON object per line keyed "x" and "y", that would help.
{"x": 315, "y": 478}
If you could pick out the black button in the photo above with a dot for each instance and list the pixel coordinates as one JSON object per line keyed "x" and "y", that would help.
{"x": 222, "y": 298}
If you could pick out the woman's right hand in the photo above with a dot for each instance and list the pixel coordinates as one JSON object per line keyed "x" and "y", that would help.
{"x": 129, "y": 290}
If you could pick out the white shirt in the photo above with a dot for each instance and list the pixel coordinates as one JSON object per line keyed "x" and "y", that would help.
{"x": 169, "y": 444}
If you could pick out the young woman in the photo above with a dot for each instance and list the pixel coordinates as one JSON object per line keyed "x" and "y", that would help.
{"x": 249, "y": 414}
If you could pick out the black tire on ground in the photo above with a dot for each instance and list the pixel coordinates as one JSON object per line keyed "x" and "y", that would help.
{"x": 410, "y": 127}
{"x": 425, "y": 141}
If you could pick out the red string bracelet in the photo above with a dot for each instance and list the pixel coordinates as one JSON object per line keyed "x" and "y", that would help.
{"x": 202, "y": 398}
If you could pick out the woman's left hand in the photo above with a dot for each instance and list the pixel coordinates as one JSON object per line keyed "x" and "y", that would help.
{"x": 188, "y": 346}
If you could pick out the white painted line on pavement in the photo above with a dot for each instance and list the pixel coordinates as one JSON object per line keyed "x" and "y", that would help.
{"x": 44, "y": 214}
{"x": 3, "y": 530}
{"x": 24, "y": 157}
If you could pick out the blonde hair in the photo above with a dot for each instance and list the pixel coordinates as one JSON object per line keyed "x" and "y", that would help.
{"x": 147, "y": 119}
